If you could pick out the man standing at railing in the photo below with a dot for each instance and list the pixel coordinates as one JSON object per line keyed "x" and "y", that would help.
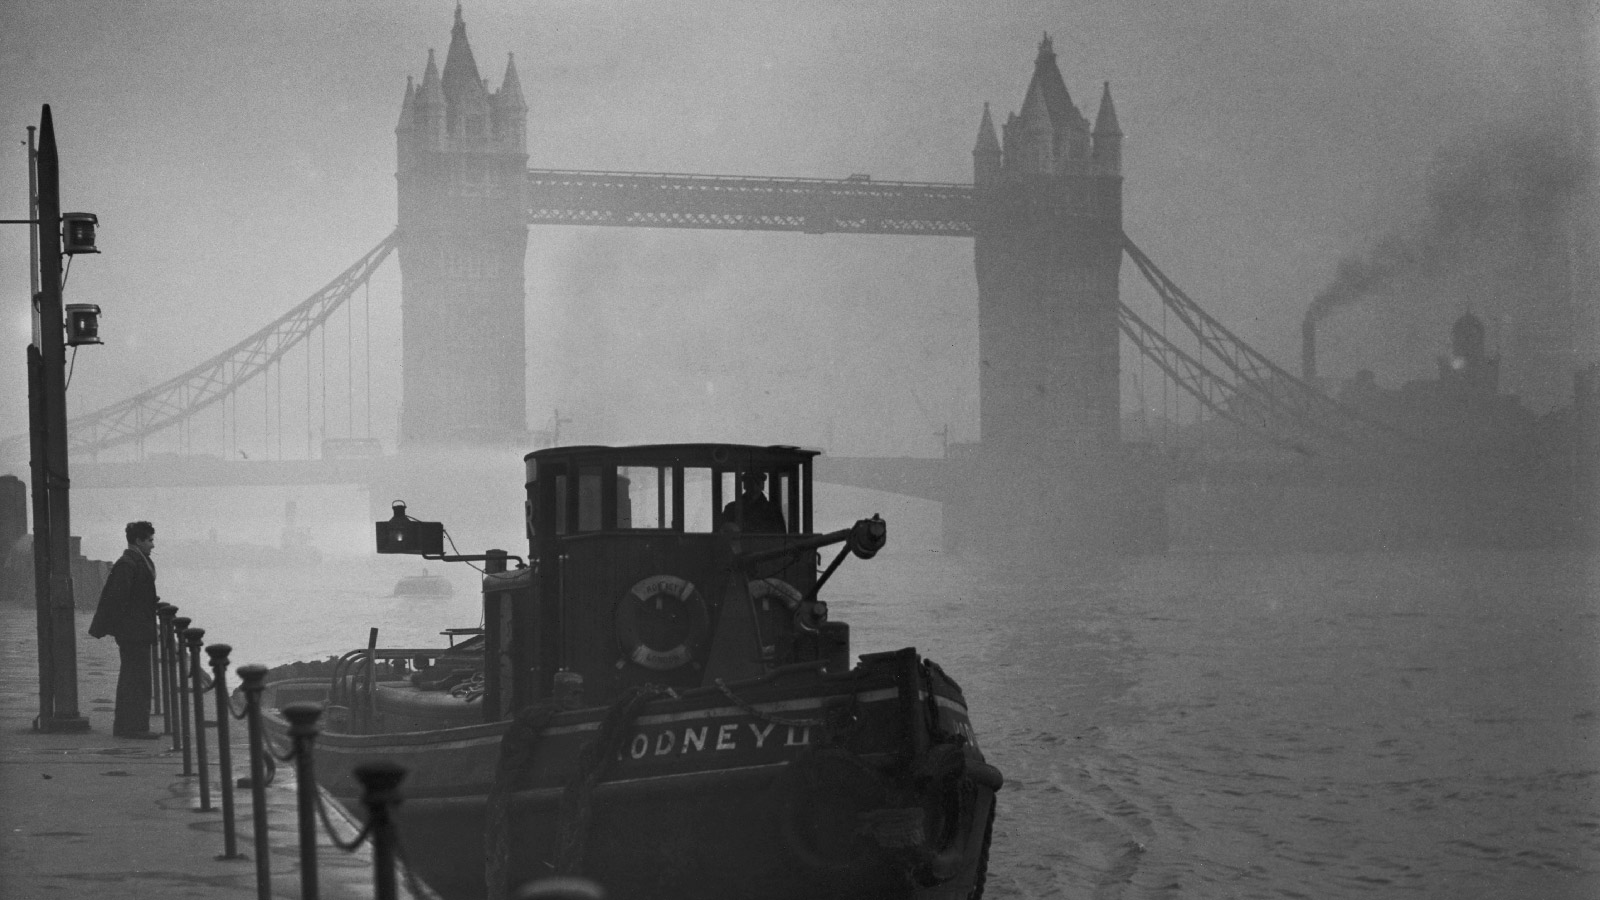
{"x": 127, "y": 612}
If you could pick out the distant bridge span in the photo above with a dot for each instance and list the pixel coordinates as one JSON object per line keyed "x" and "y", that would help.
{"x": 855, "y": 205}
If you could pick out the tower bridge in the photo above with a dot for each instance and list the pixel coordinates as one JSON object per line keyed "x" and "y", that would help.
{"x": 1043, "y": 213}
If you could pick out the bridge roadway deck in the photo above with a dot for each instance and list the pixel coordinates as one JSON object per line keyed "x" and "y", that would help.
{"x": 88, "y": 816}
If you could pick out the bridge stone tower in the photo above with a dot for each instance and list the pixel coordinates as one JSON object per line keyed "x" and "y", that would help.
{"x": 1048, "y": 255}
{"x": 462, "y": 170}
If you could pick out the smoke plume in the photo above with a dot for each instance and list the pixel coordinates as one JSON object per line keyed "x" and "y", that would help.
{"x": 1505, "y": 201}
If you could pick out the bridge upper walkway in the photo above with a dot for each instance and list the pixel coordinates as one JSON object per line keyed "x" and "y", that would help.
{"x": 854, "y": 205}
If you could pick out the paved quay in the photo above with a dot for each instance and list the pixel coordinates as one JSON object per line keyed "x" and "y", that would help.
{"x": 93, "y": 816}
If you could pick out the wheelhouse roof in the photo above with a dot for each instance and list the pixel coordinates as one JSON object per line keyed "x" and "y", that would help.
{"x": 722, "y": 456}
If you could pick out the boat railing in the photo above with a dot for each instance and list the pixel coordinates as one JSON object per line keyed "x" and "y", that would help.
{"x": 354, "y": 681}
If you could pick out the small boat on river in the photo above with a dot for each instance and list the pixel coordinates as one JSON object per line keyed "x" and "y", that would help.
{"x": 426, "y": 586}
{"x": 658, "y": 700}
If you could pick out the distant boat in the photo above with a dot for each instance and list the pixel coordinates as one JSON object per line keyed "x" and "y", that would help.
{"x": 424, "y": 585}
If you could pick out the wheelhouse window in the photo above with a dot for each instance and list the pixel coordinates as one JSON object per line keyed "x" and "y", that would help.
{"x": 570, "y": 495}
{"x": 698, "y": 495}
{"x": 758, "y": 501}
{"x": 645, "y": 498}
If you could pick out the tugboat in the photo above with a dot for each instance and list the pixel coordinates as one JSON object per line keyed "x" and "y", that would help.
{"x": 658, "y": 701}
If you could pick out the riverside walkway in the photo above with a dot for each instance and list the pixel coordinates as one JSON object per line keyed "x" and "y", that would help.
{"x": 94, "y": 816}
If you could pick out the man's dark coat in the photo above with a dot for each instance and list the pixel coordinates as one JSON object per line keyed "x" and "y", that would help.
{"x": 127, "y": 609}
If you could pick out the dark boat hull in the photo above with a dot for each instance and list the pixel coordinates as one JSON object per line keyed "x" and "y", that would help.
{"x": 864, "y": 784}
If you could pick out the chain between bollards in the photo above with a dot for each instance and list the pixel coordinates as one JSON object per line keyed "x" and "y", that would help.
{"x": 180, "y": 689}
{"x": 303, "y": 731}
{"x": 191, "y": 639}
{"x": 252, "y": 682}
{"x": 219, "y": 681}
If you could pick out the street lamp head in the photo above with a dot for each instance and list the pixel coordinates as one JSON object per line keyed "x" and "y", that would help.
{"x": 77, "y": 233}
{"x": 83, "y": 324}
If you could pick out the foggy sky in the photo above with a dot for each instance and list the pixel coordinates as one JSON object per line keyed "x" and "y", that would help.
{"x": 239, "y": 155}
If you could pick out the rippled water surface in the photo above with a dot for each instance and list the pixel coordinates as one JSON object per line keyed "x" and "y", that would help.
{"x": 1230, "y": 726}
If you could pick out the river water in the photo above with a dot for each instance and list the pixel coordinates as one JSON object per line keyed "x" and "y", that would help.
{"x": 1193, "y": 725}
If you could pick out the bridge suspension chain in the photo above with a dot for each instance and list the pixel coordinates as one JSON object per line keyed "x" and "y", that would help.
{"x": 179, "y": 398}
{"x": 1223, "y": 397}
{"x": 1259, "y": 391}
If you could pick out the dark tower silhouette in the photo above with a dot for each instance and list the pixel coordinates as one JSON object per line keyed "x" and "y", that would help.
{"x": 1049, "y": 471}
{"x": 1469, "y": 371}
{"x": 1048, "y": 254}
{"x": 462, "y": 170}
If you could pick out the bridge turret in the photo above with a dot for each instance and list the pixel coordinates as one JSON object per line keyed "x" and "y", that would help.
{"x": 1035, "y": 137}
{"x": 427, "y": 125}
{"x": 987, "y": 160}
{"x": 1107, "y": 134}
{"x": 1070, "y": 130}
{"x": 406, "y": 118}
{"x": 508, "y": 112}
{"x": 466, "y": 100}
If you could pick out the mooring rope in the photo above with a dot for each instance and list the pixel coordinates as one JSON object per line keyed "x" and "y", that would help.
{"x": 516, "y": 759}
{"x": 593, "y": 762}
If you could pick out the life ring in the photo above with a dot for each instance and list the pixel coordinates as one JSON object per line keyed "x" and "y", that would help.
{"x": 807, "y": 617}
{"x": 776, "y": 588}
{"x": 646, "y": 599}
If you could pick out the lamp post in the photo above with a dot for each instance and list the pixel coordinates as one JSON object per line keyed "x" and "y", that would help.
{"x": 47, "y": 408}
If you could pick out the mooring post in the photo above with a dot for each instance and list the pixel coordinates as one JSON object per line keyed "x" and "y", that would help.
{"x": 180, "y": 688}
{"x": 380, "y": 782}
{"x": 251, "y": 681}
{"x": 303, "y": 732}
{"x": 164, "y": 615}
{"x": 219, "y": 681}
{"x": 192, "y": 637}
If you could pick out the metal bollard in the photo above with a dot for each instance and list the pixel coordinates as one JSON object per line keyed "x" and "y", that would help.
{"x": 251, "y": 681}
{"x": 191, "y": 639}
{"x": 180, "y": 689}
{"x": 303, "y": 731}
{"x": 164, "y": 614}
{"x": 219, "y": 680}
{"x": 380, "y": 782}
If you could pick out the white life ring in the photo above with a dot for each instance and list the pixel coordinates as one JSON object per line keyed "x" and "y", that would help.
{"x": 776, "y": 589}
{"x": 807, "y": 617}
{"x": 639, "y": 601}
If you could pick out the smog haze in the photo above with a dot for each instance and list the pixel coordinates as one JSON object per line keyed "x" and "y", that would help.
{"x": 240, "y": 155}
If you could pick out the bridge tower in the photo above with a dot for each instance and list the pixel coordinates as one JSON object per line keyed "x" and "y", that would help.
{"x": 461, "y": 169}
{"x": 1048, "y": 253}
